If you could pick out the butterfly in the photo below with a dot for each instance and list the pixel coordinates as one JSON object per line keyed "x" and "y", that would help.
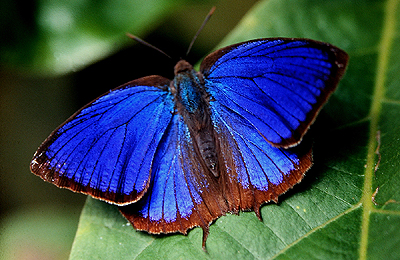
{"x": 176, "y": 154}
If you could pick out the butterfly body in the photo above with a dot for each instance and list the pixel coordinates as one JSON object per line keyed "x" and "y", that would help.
{"x": 175, "y": 154}
{"x": 192, "y": 104}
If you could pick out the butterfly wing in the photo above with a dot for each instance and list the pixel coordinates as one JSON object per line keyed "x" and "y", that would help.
{"x": 183, "y": 193}
{"x": 252, "y": 170}
{"x": 265, "y": 94}
{"x": 106, "y": 149}
{"x": 277, "y": 84}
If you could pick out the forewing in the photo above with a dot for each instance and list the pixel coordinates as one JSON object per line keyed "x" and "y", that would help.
{"x": 278, "y": 85}
{"x": 182, "y": 192}
{"x": 106, "y": 149}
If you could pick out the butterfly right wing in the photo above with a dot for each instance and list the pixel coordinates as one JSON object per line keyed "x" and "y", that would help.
{"x": 106, "y": 149}
{"x": 264, "y": 95}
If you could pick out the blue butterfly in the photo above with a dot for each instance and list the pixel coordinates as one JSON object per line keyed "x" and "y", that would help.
{"x": 178, "y": 154}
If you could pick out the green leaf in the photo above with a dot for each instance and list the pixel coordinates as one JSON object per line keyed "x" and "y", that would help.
{"x": 69, "y": 35}
{"x": 331, "y": 214}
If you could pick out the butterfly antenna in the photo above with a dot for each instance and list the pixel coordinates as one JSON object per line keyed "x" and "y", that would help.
{"x": 146, "y": 44}
{"x": 200, "y": 29}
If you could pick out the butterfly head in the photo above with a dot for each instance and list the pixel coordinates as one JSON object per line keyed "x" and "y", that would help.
{"x": 182, "y": 66}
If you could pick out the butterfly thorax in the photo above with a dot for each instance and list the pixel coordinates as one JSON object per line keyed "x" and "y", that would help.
{"x": 192, "y": 105}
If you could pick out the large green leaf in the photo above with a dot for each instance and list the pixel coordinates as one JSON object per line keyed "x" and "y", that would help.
{"x": 332, "y": 213}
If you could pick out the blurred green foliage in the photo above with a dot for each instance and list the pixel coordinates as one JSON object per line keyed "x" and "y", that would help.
{"x": 57, "y": 37}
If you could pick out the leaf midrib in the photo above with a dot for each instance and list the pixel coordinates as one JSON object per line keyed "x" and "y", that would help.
{"x": 384, "y": 47}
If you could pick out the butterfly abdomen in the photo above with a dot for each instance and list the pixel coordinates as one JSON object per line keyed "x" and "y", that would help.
{"x": 193, "y": 107}
{"x": 206, "y": 145}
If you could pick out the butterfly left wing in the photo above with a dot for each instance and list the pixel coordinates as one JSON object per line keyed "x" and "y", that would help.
{"x": 106, "y": 149}
{"x": 183, "y": 193}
